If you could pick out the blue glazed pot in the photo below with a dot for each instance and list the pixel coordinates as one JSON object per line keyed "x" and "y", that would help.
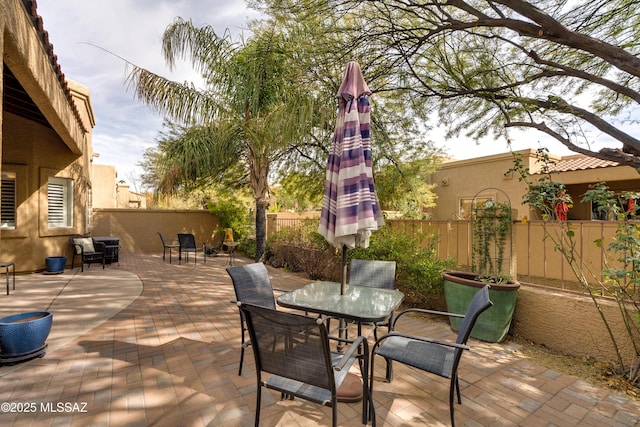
{"x": 24, "y": 333}
{"x": 55, "y": 264}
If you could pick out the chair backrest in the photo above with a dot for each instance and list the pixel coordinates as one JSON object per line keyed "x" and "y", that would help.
{"x": 161, "y": 238}
{"x": 290, "y": 345}
{"x": 479, "y": 303}
{"x": 372, "y": 273}
{"x": 186, "y": 241}
{"x": 252, "y": 285}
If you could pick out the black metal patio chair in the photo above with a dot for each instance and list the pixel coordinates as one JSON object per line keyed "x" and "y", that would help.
{"x": 88, "y": 250}
{"x": 374, "y": 274}
{"x": 436, "y": 356}
{"x": 187, "y": 244}
{"x": 170, "y": 246}
{"x": 252, "y": 285}
{"x": 294, "y": 350}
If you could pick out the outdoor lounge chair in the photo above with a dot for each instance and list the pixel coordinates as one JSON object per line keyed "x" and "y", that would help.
{"x": 187, "y": 244}
{"x": 436, "y": 356}
{"x": 252, "y": 286}
{"x": 373, "y": 274}
{"x": 171, "y": 246}
{"x": 294, "y": 350}
{"x": 88, "y": 250}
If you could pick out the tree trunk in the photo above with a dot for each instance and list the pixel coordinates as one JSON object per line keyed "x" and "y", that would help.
{"x": 261, "y": 229}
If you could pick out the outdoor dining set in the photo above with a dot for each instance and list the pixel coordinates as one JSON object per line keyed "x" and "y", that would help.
{"x": 293, "y": 349}
{"x": 298, "y": 351}
{"x": 186, "y": 244}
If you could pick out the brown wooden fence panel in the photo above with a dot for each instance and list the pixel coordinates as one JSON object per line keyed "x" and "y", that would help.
{"x": 535, "y": 246}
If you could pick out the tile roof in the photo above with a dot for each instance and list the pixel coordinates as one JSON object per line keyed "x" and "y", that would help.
{"x": 36, "y": 20}
{"x": 581, "y": 163}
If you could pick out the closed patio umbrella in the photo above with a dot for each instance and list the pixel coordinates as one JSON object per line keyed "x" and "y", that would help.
{"x": 350, "y": 208}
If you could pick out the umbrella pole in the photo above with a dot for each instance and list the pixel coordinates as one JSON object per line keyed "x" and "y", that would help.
{"x": 343, "y": 281}
{"x": 342, "y": 328}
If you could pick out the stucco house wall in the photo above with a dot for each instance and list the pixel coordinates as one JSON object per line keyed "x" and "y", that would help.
{"x": 51, "y": 138}
{"x": 462, "y": 179}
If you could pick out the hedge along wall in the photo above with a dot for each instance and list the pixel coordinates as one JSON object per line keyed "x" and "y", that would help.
{"x": 137, "y": 229}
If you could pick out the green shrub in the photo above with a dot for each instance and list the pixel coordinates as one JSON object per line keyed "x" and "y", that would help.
{"x": 418, "y": 269}
{"x": 232, "y": 213}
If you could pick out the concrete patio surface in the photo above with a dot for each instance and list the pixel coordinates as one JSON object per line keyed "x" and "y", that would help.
{"x": 148, "y": 343}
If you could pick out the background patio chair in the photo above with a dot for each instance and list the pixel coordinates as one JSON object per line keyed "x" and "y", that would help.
{"x": 252, "y": 285}
{"x": 373, "y": 274}
{"x": 294, "y": 350}
{"x": 171, "y": 246}
{"x": 88, "y": 250}
{"x": 436, "y": 356}
{"x": 187, "y": 244}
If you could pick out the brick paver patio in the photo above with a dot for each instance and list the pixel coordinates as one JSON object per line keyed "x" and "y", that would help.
{"x": 164, "y": 351}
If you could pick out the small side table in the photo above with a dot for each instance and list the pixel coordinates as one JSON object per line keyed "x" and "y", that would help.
{"x": 231, "y": 246}
{"x": 6, "y": 266}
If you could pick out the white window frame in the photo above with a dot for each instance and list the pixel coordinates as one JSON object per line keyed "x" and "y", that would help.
{"x": 466, "y": 208}
{"x": 59, "y": 202}
{"x": 8, "y": 209}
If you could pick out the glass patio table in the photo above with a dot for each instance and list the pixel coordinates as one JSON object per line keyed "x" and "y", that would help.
{"x": 360, "y": 304}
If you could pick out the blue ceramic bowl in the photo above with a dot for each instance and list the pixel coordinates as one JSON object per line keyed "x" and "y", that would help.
{"x": 24, "y": 333}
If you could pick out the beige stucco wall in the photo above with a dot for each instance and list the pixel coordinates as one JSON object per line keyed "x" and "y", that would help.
{"x": 570, "y": 323}
{"x": 137, "y": 228}
{"x": 36, "y": 152}
{"x": 104, "y": 186}
{"x": 24, "y": 53}
{"x": 463, "y": 179}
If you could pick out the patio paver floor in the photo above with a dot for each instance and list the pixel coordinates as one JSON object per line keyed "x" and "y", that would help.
{"x": 152, "y": 343}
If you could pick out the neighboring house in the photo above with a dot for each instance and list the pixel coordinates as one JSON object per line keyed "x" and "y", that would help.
{"x": 109, "y": 193}
{"x": 458, "y": 181}
{"x": 46, "y": 146}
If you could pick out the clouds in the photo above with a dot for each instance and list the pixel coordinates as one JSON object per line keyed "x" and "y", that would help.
{"x": 84, "y": 32}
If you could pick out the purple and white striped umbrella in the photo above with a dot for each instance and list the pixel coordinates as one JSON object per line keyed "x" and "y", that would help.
{"x": 350, "y": 208}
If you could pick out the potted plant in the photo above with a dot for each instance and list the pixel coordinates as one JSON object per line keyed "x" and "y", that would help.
{"x": 23, "y": 336}
{"x": 492, "y": 263}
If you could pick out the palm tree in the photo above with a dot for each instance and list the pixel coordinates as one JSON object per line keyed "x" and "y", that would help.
{"x": 251, "y": 110}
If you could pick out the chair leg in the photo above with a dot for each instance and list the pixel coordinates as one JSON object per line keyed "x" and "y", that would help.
{"x": 334, "y": 414}
{"x": 258, "y": 399}
{"x": 454, "y": 385}
{"x": 371, "y": 413}
{"x": 241, "y": 359}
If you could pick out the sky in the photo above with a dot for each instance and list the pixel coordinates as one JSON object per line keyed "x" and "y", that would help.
{"x": 131, "y": 29}
{"x": 82, "y": 31}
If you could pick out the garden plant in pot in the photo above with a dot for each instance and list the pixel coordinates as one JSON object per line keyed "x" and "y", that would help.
{"x": 492, "y": 263}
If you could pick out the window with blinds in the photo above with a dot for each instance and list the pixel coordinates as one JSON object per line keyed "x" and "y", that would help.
{"x": 8, "y": 205}
{"x": 60, "y": 201}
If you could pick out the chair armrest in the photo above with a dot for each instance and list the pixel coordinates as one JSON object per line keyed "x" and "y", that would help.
{"x": 284, "y": 291}
{"x": 353, "y": 348}
{"x": 424, "y": 311}
{"x": 451, "y": 344}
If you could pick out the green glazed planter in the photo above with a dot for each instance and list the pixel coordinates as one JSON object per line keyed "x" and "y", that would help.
{"x": 492, "y": 325}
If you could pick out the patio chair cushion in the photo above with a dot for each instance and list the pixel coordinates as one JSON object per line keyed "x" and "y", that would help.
{"x": 86, "y": 243}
